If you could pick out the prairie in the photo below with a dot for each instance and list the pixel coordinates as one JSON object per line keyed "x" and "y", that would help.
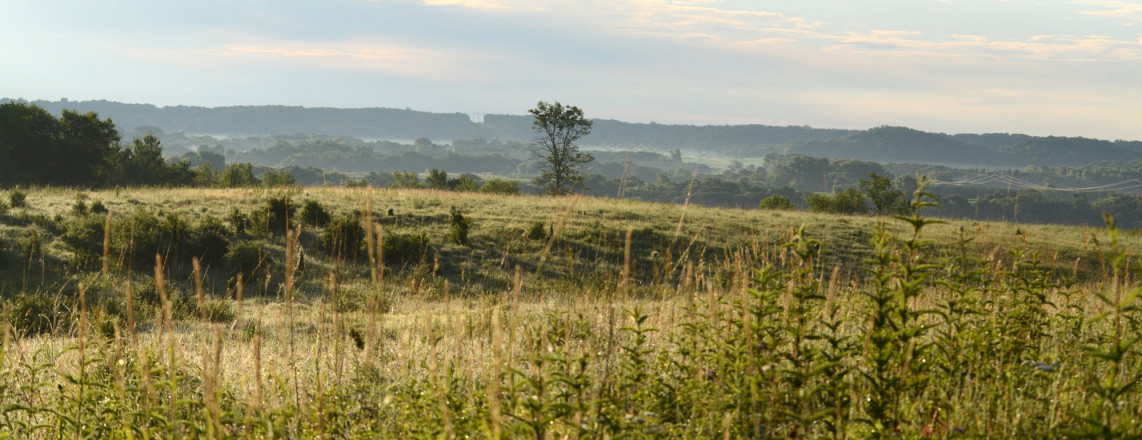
{"x": 553, "y": 318}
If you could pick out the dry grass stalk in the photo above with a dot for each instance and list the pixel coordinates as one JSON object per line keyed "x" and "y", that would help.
{"x": 107, "y": 245}
{"x": 199, "y": 292}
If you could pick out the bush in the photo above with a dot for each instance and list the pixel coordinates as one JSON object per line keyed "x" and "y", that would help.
{"x": 536, "y": 231}
{"x": 247, "y": 259}
{"x": 356, "y": 183}
{"x": 776, "y": 202}
{"x": 84, "y": 236}
{"x": 314, "y": 214}
{"x": 403, "y": 249}
{"x": 218, "y": 310}
{"x": 34, "y": 313}
{"x": 849, "y": 201}
{"x": 98, "y": 208}
{"x": 466, "y": 183}
{"x": 458, "y": 233}
{"x": 18, "y": 198}
{"x": 500, "y": 186}
{"x": 210, "y": 241}
{"x": 273, "y": 217}
{"x": 344, "y": 237}
{"x": 80, "y": 206}
{"x": 140, "y": 237}
{"x": 239, "y": 221}
{"x": 275, "y": 178}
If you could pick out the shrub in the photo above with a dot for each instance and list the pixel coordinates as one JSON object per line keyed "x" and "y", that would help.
{"x": 536, "y": 231}
{"x": 34, "y": 313}
{"x": 437, "y": 179}
{"x": 80, "y": 206}
{"x": 405, "y": 179}
{"x": 849, "y": 201}
{"x": 176, "y": 239}
{"x": 275, "y": 178}
{"x": 218, "y": 310}
{"x": 247, "y": 259}
{"x": 466, "y": 183}
{"x": 140, "y": 237}
{"x": 500, "y": 186}
{"x": 343, "y": 237}
{"x": 98, "y": 208}
{"x": 776, "y": 202}
{"x": 84, "y": 236}
{"x": 211, "y": 240}
{"x": 314, "y": 214}
{"x": 403, "y": 249}
{"x": 273, "y": 217}
{"x": 239, "y": 221}
{"x": 18, "y": 198}
{"x": 458, "y": 233}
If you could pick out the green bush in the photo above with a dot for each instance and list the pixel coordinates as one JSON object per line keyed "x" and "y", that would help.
{"x": 278, "y": 211}
{"x": 80, "y": 206}
{"x": 35, "y": 313}
{"x": 848, "y": 201}
{"x": 239, "y": 221}
{"x": 248, "y": 259}
{"x": 500, "y": 186}
{"x": 84, "y": 236}
{"x": 776, "y": 202}
{"x": 344, "y": 237}
{"x": 218, "y": 310}
{"x": 98, "y": 208}
{"x": 314, "y": 214}
{"x": 458, "y": 232}
{"x": 210, "y": 241}
{"x": 18, "y": 198}
{"x": 537, "y": 231}
{"x": 404, "y": 249}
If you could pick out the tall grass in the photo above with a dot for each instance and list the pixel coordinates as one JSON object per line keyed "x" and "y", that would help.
{"x": 927, "y": 334}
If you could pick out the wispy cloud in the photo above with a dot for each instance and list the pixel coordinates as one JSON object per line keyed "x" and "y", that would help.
{"x": 1061, "y": 48}
{"x": 1123, "y": 10}
{"x": 494, "y": 5}
{"x": 677, "y": 19}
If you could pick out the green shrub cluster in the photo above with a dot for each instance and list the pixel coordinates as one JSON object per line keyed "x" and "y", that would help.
{"x": 458, "y": 227}
{"x": 137, "y": 238}
{"x": 344, "y": 238}
{"x": 402, "y": 249}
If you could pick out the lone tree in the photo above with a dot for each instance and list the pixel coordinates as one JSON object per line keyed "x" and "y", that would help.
{"x": 559, "y": 127}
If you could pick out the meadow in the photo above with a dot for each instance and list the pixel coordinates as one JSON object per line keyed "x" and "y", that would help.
{"x": 197, "y": 313}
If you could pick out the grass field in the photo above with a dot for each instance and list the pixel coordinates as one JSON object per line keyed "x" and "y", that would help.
{"x": 555, "y": 318}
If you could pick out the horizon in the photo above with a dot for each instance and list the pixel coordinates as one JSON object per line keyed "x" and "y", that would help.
{"x": 472, "y": 115}
{"x": 970, "y": 66}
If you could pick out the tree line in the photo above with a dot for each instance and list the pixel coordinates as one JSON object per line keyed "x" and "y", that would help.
{"x": 37, "y": 148}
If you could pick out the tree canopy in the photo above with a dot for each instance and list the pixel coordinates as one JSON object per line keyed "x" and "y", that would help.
{"x": 561, "y": 166}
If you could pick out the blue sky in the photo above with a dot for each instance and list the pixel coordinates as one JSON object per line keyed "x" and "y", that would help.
{"x": 1068, "y": 68}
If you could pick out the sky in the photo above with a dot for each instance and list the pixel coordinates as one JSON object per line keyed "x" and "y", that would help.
{"x": 1065, "y": 68}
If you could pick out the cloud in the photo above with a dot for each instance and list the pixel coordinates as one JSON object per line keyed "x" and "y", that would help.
{"x": 676, "y": 19}
{"x": 357, "y": 55}
{"x": 493, "y": 5}
{"x": 1128, "y": 11}
{"x": 1060, "y": 48}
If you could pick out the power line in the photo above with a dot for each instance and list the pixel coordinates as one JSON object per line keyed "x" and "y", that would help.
{"x": 1011, "y": 181}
